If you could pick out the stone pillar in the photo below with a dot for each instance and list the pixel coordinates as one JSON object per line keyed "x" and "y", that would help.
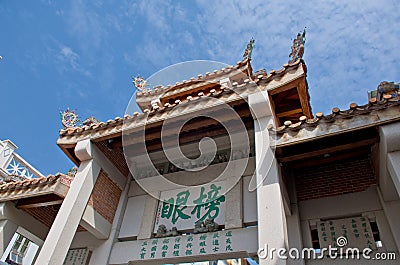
{"x": 7, "y": 230}
{"x": 389, "y": 176}
{"x": 63, "y": 230}
{"x": 234, "y": 205}
{"x": 295, "y": 239}
{"x": 149, "y": 215}
{"x": 393, "y": 165}
{"x": 270, "y": 205}
{"x": 389, "y": 142}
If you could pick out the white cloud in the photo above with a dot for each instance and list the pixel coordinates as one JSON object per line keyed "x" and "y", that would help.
{"x": 351, "y": 46}
{"x": 70, "y": 60}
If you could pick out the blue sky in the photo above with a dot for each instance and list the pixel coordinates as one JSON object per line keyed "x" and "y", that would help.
{"x": 82, "y": 54}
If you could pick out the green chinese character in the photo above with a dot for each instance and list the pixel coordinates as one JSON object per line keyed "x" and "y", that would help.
{"x": 189, "y": 245}
{"x": 152, "y": 255}
{"x": 229, "y": 233}
{"x": 164, "y": 254}
{"x": 216, "y": 249}
{"x": 169, "y": 209}
{"x": 203, "y": 237}
{"x": 203, "y": 244}
{"x": 164, "y": 247}
{"x": 202, "y": 251}
{"x": 228, "y": 241}
{"x": 165, "y": 241}
{"x": 154, "y": 248}
{"x": 178, "y": 239}
{"x": 175, "y": 253}
{"x": 202, "y": 196}
{"x": 357, "y": 235}
{"x": 176, "y": 246}
{"x": 144, "y": 243}
{"x": 142, "y": 255}
{"x": 143, "y": 250}
{"x": 228, "y": 248}
{"x": 190, "y": 238}
{"x": 215, "y": 242}
{"x": 364, "y": 224}
{"x": 210, "y": 205}
{"x": 155, "y": 241}
{"x": 189, "y": 252}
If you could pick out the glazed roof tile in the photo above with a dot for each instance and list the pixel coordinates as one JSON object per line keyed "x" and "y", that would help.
{"x": 185, "y": 85}
{"x": 159, "y": 112}
{"x": 56, "y": 184}
{"x": 290, "y": 132}
{"x": 371, "y": 114}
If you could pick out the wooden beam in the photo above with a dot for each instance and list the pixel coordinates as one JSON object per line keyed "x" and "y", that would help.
{"x": 288, "y": 113}
{"x": 328, "y": 150}
{"x": 304, "y": 97}
{"x": 319, "y": 161}
{"x": 39, "y": 204}
{"x": 39, "y": 201}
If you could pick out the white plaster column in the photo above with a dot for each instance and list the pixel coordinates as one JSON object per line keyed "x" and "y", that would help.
{"x": 389, "y": 176}
{"x": 13, "y": 219}
{"x": 295, "y": 239}
{"x": 389, "y": 142}
{"x": 393, "y": 165}
{"x": 234, "y": 205}
{"x": 149, "y": 215}
{"x": 63, "y": 230}
{"x": 272, "y": 232}
{"x": 7, "y": 230}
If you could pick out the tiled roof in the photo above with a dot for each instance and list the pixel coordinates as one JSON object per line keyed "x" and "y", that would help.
{"x": 290, "y": 132}
{"x": 179, "y": 87}
{"x": 57, "y": 184}
{"x": 158, "y": 113}
{"x": 371, "y": 114}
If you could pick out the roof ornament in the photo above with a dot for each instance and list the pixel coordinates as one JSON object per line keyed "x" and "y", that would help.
{"x": 141, "y": 84}
{"x": 72, "y": 172}
{"x": 249, "y": 50}
{"x": 298, "y": 47}
{"x": 69, "y": 119}
{"x": 386, "y": 88}
{"x": 89, "y": 121}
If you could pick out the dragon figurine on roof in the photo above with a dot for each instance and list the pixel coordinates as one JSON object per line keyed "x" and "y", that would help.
{"x": 298, "y": 47}
{"x": 140, "y": 83}
{"x": 249, "y": 49}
